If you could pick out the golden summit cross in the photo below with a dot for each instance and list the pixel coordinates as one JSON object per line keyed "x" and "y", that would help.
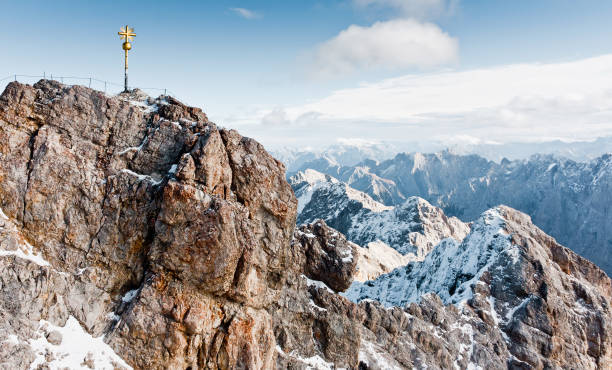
{"x": 128, "y": 35}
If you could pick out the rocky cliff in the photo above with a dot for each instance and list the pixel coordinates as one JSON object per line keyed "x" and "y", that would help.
{"x": 155, "y": 228}
{"x": 137, "y": 234}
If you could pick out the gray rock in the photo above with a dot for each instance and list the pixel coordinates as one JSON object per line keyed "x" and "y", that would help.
{"x": 54, "y": 337}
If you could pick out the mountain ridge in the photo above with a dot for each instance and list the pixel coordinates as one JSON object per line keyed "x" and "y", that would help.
{"x": 569, "y": 200}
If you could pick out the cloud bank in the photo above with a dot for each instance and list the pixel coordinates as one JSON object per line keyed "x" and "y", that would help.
{"x": 512, "y": 103}
{"x": 395, "y": 44}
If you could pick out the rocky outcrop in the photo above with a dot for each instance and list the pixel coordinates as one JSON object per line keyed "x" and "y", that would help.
{"x": 328, "y": 256}
{"x": 159, "y": 230}
{"x": 314, "y": 326}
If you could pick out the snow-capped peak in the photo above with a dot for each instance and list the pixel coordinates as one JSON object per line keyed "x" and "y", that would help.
{"x": 448, "y": 270}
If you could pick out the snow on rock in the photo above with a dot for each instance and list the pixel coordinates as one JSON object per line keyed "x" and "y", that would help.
{"x": 129, "y": 296}
{"x": 310, "y": 363}
{"x": 568, "y": 200}
{"x": 377, "y": 258}
{"x": 310, "y": 182}
{"x": 15, "y": 244}
{"x": 76, "y": 349}
{"x": 449, "y": 270}
{"x": 372, "y": 354}
{"x": 413, "y": 227}
{"x": 507, "y": 296}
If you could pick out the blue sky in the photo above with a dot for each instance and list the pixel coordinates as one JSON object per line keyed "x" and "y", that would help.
{"x": 289, "y": 72}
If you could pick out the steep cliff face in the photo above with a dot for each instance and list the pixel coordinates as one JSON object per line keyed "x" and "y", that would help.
{"x": 155, "y": 228}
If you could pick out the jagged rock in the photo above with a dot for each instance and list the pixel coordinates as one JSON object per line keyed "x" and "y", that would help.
{"x": 314, "y": 326}
{"x": 161, "y": 231}
{"x": 388, "y": 237}
{"x": 328, "y": 256}
{"x": 509, "y": 280}
{"x": 569, "y": 200}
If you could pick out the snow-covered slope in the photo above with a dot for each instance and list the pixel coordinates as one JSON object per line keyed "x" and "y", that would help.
{"x": 413, "y": 227}
{"x": 310, "y": 182}
{"x": 377, "y": 258}
{"x": 449, "y": 270}
{"x": 533, "y": 293}
{"x": 569, "y": 200}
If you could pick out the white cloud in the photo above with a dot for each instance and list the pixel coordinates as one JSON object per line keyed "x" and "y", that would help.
{"x": 514, "y": 103}
{"x": 411, "y": 8}
{"x": 395, "y": 44}
{"x": 246, "y": 13}
{"x": 277, "y": 116}
{"x": 356, "y": 142}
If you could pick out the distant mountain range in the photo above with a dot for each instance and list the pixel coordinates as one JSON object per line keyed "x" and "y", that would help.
{"x": 572, "y": 201}
{"x": 352, "y": 152}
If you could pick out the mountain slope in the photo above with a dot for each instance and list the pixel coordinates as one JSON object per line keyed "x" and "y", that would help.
{"x": 518, "y": 280}
{"x": 413, "y": 227}
{"x": 569, "y": 200}
{"x": 162, "y": 235}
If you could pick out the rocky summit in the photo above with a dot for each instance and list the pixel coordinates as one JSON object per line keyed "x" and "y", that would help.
{"x": 134, "y": 233}
{"x": 152, "y": 228}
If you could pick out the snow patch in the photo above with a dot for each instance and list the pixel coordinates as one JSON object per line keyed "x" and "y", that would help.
{"x": 129, "y": 296}
{"x": 76, "y": 346}
{"x": 142, "y": 177}
{"x": 369, "y": 355}
{"x": 12, "y": 339}
{"x": 316, "y": 283}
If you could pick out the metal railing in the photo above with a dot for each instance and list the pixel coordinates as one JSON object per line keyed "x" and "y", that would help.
{"x": 107, "y": 86}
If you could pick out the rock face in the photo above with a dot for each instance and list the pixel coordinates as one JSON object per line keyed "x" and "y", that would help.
{"x": 569, "y": 200}
{"x": 314, "y": 326}
{"x": 538, "y": 304}
{"x": 328, "y": 256}
{"x": 159, "y": 230}
{"x": 135, "y": 233}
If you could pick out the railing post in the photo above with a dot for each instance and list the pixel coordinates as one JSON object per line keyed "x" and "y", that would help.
{"x": 15, "y": 78}
{"x": 105, "y": 87}
{"x": 90, "y": 82}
